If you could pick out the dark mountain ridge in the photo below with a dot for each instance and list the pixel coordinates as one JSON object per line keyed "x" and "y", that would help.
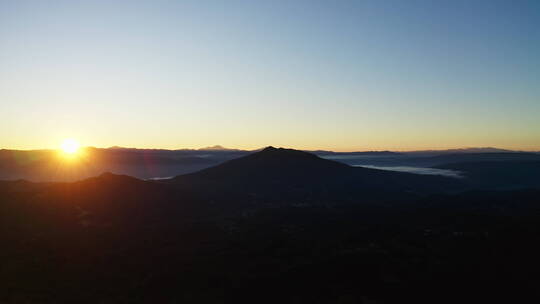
{"x": 279, "y": 173}
{"x": 270, "y": 162}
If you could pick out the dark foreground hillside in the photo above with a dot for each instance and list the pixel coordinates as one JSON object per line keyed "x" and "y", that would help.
{"x": 116, "y": 239}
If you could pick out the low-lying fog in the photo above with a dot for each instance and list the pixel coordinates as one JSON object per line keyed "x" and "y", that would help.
{"x": 416, "y": 170}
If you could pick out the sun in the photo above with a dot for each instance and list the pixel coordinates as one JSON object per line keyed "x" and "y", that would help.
{"x": 70, "y": 146}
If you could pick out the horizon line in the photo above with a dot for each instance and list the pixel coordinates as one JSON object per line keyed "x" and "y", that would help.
{"x": 212, "y": 148}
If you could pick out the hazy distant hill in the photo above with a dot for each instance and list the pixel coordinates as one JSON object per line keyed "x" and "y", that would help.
{"x": 429, "y": 160}
{"x": 358, "y": 153}
{"x": 463, "y": 150}
{"x": 219, "y": 148}
{"x": 424, "y": 153}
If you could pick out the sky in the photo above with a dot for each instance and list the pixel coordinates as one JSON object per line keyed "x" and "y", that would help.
{"x": 336, "y": 75}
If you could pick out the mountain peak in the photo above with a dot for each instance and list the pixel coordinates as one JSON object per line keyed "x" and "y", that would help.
{"x": 269, "y": 148}
{"x": 214, "y": 148}
{"x": 283, "y": 154}
{"x": 273, "y": 163}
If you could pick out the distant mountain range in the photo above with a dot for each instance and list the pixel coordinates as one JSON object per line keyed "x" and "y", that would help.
{"x": 463, "y": 150}
{"x": 442, "y": 151}
{"x": 46, "y": 165}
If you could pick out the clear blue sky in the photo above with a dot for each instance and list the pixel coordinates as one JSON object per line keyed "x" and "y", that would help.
{"x": 342, "y": 75}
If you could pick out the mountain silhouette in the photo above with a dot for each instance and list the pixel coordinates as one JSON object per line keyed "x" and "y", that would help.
{"x": 272, "y": 163}
{"x": 287, "y": 174}
{"x": 216, "y": 148}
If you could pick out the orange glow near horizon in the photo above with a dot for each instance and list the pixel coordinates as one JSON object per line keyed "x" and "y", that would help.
{"x": 67, "y": 147}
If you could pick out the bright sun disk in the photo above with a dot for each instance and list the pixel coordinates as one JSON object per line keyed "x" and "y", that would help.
{"x": 70, "y": 146}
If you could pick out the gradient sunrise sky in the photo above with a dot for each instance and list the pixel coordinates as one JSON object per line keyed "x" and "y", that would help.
{"x": 340, "y": 75}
